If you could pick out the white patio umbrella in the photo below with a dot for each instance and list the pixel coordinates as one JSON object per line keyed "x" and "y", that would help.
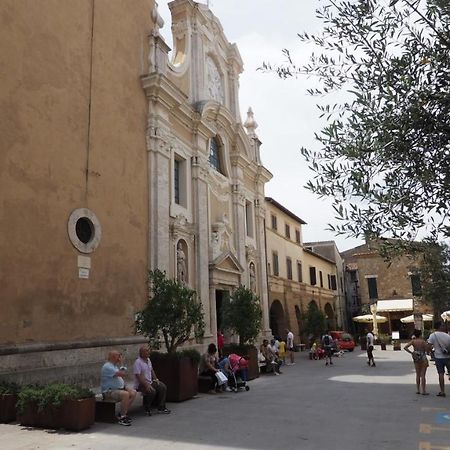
{"x": 368, "y": 318}
{"x": 410, "y": 319}
{"x": 446, "y": 316}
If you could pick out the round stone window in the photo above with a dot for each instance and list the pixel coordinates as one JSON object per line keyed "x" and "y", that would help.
{"x": 84, "y": 230}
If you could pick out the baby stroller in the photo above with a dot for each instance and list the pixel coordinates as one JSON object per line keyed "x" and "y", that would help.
{"x": 237, "y": 376}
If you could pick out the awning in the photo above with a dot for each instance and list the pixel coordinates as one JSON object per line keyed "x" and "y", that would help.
{"x": 404, "y": 304}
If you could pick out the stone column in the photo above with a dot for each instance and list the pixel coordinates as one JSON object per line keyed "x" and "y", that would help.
{"x": 260, "y": 234}
{"x": 158, "y": 147}
{"x": 202, "y": 232}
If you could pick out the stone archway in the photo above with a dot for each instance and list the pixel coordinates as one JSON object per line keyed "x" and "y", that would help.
{"x": 277, "y": 318}
{"x": 330, "y": 317}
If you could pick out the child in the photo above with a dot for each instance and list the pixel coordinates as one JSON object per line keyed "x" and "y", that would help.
{"x": 282, "y": 351}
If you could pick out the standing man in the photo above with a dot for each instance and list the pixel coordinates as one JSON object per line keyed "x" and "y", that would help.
{"x": 290, "y": 347}
{"x": 113, "y": 386}
{"x": 370, "y": 339}
{"x": 146, "y": 381}
{"x": 440, "y": 342}
{"x": 327, "y": 341}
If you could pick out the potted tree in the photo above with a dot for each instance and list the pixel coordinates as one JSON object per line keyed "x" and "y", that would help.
{"x": 56, "y": 405}
{"x": 173, "y": 312}
{"x": 243, "y": 316}
{"x": 8, "y": 400}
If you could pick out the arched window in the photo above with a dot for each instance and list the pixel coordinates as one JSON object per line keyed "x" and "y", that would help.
{"x": 214, "y": 154}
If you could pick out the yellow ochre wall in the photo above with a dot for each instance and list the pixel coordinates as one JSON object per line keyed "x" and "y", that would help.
{"x": 73, "y": 122}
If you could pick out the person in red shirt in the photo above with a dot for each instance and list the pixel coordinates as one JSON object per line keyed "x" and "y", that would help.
{"x": 220, "y": 342}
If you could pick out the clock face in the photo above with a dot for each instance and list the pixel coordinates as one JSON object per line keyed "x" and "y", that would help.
{"x": 214, "y": 81}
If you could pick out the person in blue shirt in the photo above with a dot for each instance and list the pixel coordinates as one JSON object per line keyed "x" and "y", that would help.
{"x": 113, "y": 385}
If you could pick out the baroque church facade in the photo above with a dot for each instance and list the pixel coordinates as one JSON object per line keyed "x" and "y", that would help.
{"x": 117, "y": 159}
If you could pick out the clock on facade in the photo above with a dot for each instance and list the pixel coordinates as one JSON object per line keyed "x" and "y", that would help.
{"x": 214, "y": 81}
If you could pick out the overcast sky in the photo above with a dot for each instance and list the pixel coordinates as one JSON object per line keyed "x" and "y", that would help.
{"x": 286, "y": 115}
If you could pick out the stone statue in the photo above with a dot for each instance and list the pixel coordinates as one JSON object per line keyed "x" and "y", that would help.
{"x": 252, "y": 277}
{"x": 181, "y": 264}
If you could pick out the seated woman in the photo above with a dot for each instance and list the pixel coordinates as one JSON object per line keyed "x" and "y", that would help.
{"x": 209, "y": 366}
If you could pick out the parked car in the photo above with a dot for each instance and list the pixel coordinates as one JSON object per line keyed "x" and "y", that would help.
{"x": 344, "y": 340}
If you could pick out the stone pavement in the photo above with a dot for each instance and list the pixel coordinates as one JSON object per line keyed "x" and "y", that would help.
{"x": 347, "y": 406}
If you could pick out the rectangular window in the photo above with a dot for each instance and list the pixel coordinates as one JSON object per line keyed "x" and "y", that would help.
{"x": 274, "y": 222}
{"x": 329, "y": 281}
{"x": 287, "y": 231}
{"x": 312, "y": 276}
{"x": 276, "y": 270}
{"x": 249, "y": 218}
{"x": 321, "y": 278}
{"x": 372, "y": 286}
{"x": 299, "y": 271}
{"x": 297, "y": 236}
{"x": 176, "y": 180}
{"x": 416, "y": 285}
{"x": 179, "y": 181}
{"x": 289, "y": 268}
{"x": 333, "y": 282}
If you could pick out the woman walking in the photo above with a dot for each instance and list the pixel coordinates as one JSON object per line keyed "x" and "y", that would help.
{"x": 419, "y": 355}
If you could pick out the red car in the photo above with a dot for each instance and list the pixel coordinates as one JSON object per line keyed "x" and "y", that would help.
{"x": 344, "y": 340}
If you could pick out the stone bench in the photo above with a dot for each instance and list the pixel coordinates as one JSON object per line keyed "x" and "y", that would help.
{"x": 204, "y": 383}
{"x": 105, "y": 410}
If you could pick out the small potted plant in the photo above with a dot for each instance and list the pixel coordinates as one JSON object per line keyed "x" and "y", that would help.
{"x": 243, "y": 316}
{"x": 173, "y": 312}
{"x": 56, "y": 405}
{"x": 8, "y": 400}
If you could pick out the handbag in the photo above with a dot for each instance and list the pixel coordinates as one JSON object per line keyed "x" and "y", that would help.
{"x": 418, "y": 356}
{"x": 444, "y": 350}
{"x": 221, "y": 378}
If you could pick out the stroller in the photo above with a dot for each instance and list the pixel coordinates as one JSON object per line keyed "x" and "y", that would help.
{"x": 237, "y": 376}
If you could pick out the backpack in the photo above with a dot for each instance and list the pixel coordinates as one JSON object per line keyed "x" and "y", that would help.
{"x": 326, "y": 340}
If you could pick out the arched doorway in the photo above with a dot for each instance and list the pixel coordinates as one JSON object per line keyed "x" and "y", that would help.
{"x": 277, "y": 320}
{"x": 330, "y": 317}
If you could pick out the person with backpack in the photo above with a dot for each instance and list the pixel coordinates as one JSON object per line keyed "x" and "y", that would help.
{"x": 327, "y": 342}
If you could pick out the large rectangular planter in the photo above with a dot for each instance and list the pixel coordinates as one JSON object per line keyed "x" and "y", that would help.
{"x": 8, "y": 408}
{"x": 77, "y": 415}
{"x": 74, "y": 415}
{"x": 180, "y": 375}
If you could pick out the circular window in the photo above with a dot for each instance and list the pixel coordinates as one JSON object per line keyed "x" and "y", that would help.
{"x": 84, "y": 230}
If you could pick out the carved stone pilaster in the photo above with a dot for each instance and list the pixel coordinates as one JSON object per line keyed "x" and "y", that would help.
{"x": 159, "y": 139}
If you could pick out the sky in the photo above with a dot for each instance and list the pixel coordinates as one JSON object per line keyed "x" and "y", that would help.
{"x": 287, "y": 116}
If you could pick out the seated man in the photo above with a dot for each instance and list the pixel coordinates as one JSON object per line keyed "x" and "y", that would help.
{"x": 113, "y": 386}
{"x": 273, "y": 364}
{"x": 146, "y": 381}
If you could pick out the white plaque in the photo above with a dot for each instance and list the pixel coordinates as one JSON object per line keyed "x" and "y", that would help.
{"x": 396, "y": 335}
{"x": 84, "y": 261}
{"x": 83, "y": 273}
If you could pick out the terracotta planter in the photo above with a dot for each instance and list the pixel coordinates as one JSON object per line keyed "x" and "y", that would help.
{"x": 8, "y": 408}
{"x": 49, "y": 417}
{"x": 78, "y": 415}
{"x": 74, "y": 415}
{"x": 180, "y": 375}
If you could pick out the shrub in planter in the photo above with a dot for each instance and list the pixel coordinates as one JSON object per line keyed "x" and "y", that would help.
{"x": 243, "y": 316}
{"x": 179, "y": 371}
{"x": 56, "y": 406}
{"x": 8, "y": 400}
{"x": 173, "y": 312}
